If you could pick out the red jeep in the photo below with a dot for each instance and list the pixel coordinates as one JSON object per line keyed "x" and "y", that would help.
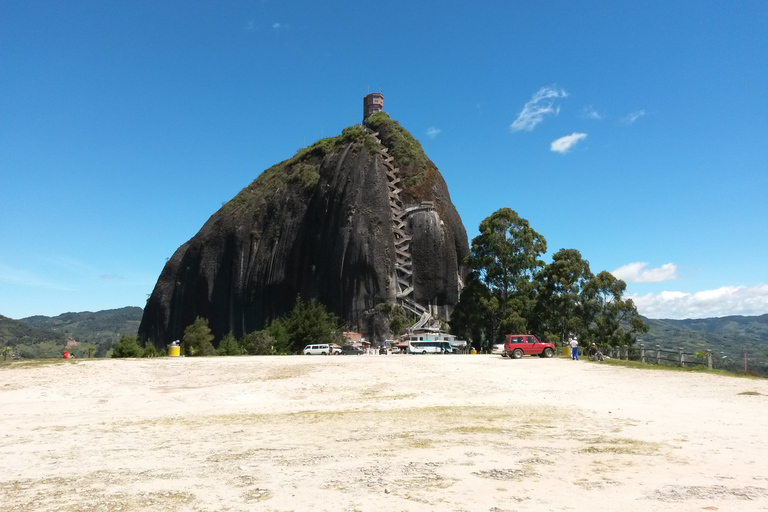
{"x": 519, "y": 345}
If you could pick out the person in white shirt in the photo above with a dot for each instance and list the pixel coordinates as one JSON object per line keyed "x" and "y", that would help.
{"x": 574, "y": 343}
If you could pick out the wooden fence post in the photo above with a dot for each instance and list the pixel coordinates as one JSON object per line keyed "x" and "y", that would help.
{"x": 709, "y": 359}
{"x": 680, "y": 356}
{"x": 642, "y": 352}
{"x": 658, "y": 354}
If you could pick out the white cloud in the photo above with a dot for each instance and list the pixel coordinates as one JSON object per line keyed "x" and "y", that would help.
{"x": 540, "y": 105}
{"x": 589, "y": 112}
{"x": 637, "y": 273}
{"x": 277, "y": 26}
{"x": 564, "y": 144}
{"x": 632, "y": 116}
{"x": 723, "y": 301}
{"x": 433, "y": 132}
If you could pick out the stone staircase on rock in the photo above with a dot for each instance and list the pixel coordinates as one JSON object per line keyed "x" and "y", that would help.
{"x": 403, "y": 261}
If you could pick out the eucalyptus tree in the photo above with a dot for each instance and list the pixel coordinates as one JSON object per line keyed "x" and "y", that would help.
{"x": 560, "y": 287}
{"x": 472, "y": 317}
{"x": 506, "y": 256}
{"x": 609, "y": 318}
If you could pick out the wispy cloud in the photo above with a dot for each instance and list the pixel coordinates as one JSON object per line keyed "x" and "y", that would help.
{"x": 277, "y": 26}
{"x": 589, "y": 112}
{"x": 433, "y": 132}
{"x": 632, "y": 117}
{"x": 541, "y": 104}
{"x": 723, "y": 301}
{"x": 22, "y": 277}
{"x": 564, "y": 144}
{"x": 638, "y": 273}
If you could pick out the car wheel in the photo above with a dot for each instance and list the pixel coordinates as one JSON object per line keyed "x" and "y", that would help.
{"x": 322, "y": 353}
{"x": 424, "y": 352}
{"x": 517, "y": 354}
{"x": 547, "y": 352}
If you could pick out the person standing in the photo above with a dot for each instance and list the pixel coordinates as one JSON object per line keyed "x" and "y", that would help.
{"x": 574, "y": 343}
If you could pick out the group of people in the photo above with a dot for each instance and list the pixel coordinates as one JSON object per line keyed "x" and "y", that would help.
{"x": 594, "y": 352}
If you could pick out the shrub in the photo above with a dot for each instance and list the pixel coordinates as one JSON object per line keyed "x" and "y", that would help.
{"x": 127, "y": 346}
{"x": 259, "y": 343}
{"x": 197, "y": 339}
{"x": 282, "y": 340}
{"x": 229, "y": 347}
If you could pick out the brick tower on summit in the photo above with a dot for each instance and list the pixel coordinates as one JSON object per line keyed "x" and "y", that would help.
{"x": 372, "y": 103}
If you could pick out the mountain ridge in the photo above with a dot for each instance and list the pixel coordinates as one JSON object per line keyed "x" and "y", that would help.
{"x": 727, "y": 335}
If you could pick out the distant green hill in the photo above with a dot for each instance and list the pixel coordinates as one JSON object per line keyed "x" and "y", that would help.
{"x": 13, "y": 332}
{"x": 43, "y": 336}
{"x": 727, "y": 337}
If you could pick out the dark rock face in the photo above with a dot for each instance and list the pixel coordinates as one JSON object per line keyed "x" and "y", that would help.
{"x": 318, "y": 225}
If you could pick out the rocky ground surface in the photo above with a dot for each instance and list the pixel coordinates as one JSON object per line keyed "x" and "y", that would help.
{"x": 378, "y": 433}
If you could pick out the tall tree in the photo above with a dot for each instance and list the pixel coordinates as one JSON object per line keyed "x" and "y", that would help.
{"x": 310, "y": 323}
{"x": 560, "y": 285}
{"x": 506, "y": 256}
{"x": 472, "y": 318}
{"x": 608, "y": 318}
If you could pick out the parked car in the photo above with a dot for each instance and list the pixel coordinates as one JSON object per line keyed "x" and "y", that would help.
{"x": 498, "y": 349}
{"x": 335, "y": 349}
{"x": 518, "y": 345}
{"x": 322, "y": 349}
{"x": 350, "y": 350}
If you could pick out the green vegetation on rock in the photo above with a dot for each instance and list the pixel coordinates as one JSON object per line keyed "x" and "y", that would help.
{"x": 301, "y": 169}
{"x": 406, "y": 150}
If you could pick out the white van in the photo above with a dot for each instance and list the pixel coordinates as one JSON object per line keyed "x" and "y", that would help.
{"x": 314, "y": 350}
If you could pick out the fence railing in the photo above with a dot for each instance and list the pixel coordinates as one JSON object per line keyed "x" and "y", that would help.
{"x": 658, "y": 355}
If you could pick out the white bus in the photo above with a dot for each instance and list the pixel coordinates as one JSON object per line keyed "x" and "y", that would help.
{"x": 429, "y": 347}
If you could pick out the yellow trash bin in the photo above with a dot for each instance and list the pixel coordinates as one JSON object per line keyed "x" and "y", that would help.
{"x": 174, "y": 351}
{"x": 566, "y": 351}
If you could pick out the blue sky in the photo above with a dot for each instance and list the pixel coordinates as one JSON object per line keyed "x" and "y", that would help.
{"x": 633, "y": 132}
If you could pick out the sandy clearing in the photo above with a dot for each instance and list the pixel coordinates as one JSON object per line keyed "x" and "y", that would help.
{"x": 378, "y": 433}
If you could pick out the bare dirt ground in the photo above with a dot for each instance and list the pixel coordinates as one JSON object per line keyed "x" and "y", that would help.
{"x": 378, "y": 433}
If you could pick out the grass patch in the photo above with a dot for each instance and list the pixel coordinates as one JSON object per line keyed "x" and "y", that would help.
{"x": 452, "y": 419}
{"x": 750, "y": 393}
{"x": 670, "y": 368}
{"x": 34, "y": 363}
{"x": 621, "y": 446}
{"x": 287, "y": 372}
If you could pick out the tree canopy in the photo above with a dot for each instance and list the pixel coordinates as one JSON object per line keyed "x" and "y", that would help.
{"x": 512, "y": 290}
